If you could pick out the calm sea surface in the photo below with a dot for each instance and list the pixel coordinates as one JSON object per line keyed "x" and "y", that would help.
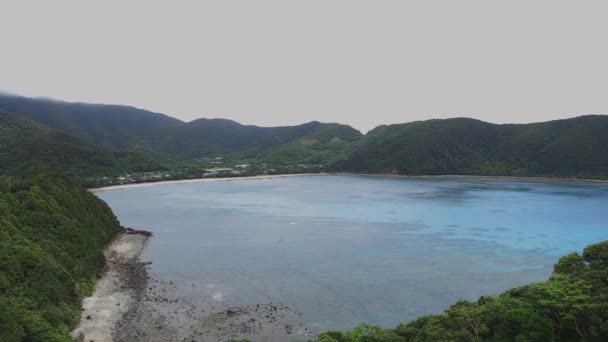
{"x": 344, "y": 249}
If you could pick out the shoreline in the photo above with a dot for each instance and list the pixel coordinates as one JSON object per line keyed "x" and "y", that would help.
{"x": 377, "y": 175}
{"x": 203, "y": 180}
{"x": 523, "y": 178}
{"x": 117, "y": 291}
{"x": 130, "y": 303}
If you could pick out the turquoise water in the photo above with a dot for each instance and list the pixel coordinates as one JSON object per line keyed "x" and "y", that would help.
{"x": 346, "y": 249}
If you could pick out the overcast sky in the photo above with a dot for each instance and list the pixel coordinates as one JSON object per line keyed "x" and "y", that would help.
{"x": 287, "y": 62}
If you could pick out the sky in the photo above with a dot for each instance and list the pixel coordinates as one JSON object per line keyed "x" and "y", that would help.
{"x": 269, "y": 63}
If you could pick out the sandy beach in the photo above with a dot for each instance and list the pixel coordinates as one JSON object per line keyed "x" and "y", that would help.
{"x": 227, "y": 179}
{"x": 202, "y": 180}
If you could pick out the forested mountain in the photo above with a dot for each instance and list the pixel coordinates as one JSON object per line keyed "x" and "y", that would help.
{"x": 575, "y": 147}
{"x": 327, "y": 145}
{"x": 209, "y": 137}
{"x": 123, "y": 127}
{"x": 52, "y": 233}
{"x": 27, "y": 146}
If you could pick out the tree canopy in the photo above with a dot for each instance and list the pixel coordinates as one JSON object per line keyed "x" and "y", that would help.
{"x": 571, "y": 306}
{"x": 52, "y": 233}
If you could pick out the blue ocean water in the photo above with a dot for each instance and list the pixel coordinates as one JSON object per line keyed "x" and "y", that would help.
{"x": 348, "y": 249}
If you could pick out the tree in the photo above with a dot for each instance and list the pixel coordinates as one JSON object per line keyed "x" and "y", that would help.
{"x": 469, "y": 317}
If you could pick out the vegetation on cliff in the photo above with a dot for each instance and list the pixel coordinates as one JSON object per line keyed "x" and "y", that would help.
{"x": 52, "y": 233}
{"x": 571, "y": 306}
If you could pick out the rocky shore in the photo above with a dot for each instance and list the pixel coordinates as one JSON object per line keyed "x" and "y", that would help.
{"x": 121, "y": 286}
{"x": 131, "y": 305}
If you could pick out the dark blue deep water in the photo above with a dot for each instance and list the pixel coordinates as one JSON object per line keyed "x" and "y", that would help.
{"x": 346, "y": 249}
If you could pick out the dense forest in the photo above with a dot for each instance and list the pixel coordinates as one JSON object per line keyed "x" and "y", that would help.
{"x": 571, "y": 306}
{"x": 576, "y": 148}
{"x": 123, "y": 127}
{"x": 28, "y": 147}
{"x": 120, "y": 127}
{"x": 52, "y": 233}
{"x": 327, "y": 144}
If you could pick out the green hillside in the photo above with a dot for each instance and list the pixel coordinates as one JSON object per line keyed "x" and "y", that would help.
{"x": 27, "y": 146}
{"x": 326, "y": 145}
{"x": 575, "y": 147}
{"x": 52, "y": 233}
{"x": 212, "y": 137}
{"x": 123, "y": 127}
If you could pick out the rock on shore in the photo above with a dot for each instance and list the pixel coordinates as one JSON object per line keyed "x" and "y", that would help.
{"x": 129, "y": 305}
{"x": 116, "y": 291}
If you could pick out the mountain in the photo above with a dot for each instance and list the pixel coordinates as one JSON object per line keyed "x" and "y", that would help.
{"x": 52, "y": 233}
{"x": 576, "y": 147}
{"x": 27, "y": 146}
{"x": 123, "y": 127}
{"x": 327, "y": 144}
{"x": 209, "y": 137}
